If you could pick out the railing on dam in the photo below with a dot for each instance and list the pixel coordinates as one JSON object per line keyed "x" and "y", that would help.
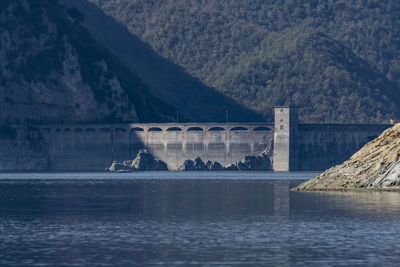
{"x": 163, "y": 127}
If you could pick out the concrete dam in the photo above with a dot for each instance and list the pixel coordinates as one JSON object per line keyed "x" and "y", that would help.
{"x": 93, "y": 147}
{"x": 292, "y": 145}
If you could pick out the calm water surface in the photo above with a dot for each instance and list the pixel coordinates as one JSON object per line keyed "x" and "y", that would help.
{"x": 208, "y": 219}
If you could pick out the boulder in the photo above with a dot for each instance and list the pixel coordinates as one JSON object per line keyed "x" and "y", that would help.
{"x": 241, "y": 166}
{"x": 214, "y": 166}
{"x": 249, "y": 163}
{"x": 188, "y": 165}
{"x": 144, "y": 161}
{"x": 199, "y": 164}
{"x": 208, "y": 164}
{"x": 160, "y": 165}
{"x": 127, "y": 162}
{"x": 232, "y": 167}
{"x": 194, "y": 165}
{"x": 119, "y": 167}
{"x": 255, "y": 163}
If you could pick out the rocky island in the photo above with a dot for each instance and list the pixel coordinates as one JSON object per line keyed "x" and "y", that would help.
{"x": 376, "y": 166}
{"x": 145, "y": 161}
{"x": 248, "y": 163}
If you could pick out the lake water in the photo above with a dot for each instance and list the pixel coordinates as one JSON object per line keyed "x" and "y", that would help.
{"x": 208, "y": 219}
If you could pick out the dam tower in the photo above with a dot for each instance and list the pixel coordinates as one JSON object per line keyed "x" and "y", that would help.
{"x": 285, "y": 152}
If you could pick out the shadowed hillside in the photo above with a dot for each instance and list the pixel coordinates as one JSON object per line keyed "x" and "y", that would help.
{"x": 166, "y": 80}
{"x": 51, "y": 70}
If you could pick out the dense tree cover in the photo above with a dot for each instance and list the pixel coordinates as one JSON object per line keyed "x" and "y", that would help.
{"x": 338, "y": 61}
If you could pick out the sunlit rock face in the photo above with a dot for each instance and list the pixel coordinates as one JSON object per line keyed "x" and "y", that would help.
{"x": 374, "y": 167}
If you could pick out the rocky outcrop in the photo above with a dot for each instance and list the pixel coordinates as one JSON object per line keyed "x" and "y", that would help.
{"x": 376, "y": 166}
{"x": 249, "y": 163}
{"x": 194, "y": 165}
{"x": 144, "y": 161}
{"x": 214, "y": 166}
{"x": 120, "y": 167}
{"x": 255, "y": 163}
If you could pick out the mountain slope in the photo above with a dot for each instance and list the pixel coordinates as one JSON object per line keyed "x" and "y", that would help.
{"x": 52, "y": 70}
{"x": 165, "y": 79}
{"x": 338, "y": 61}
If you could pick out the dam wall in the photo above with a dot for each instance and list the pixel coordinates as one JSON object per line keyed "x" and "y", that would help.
{"x": 302, "y": 146}
{"x": 293, "y": 145}
{"x": 94, "y": 147}
{"x": 321, "y": 146}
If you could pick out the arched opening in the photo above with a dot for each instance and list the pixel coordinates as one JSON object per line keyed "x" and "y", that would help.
{"x": 137, "y": 129}
{"x": 78, "y": 131}
{"x": 216, "y": 129}
{"x": 90, "y": 130}
{"x": 67, "y": 131}
{"x": 174, "y": 129}
{"x": 120, "y": 130}
{"x": 262, "y": 128}
{"x": 104, "y": 130}
{"x": 239, "y": 128}
{"x": 194, "y": 129}
{"x": 155, "y": 129}
{"x": 78, "y": 140}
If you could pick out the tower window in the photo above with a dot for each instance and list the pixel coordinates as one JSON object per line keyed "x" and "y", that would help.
{"x": 281, "y": 127}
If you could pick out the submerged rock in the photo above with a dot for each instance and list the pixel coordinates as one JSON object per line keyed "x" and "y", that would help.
{"x": 144, "y": 161}
{"x": 376, "y": 166}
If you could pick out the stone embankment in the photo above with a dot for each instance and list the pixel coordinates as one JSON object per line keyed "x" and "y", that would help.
{"x": 144, "y": 161}
{"x": 376, "y": 166}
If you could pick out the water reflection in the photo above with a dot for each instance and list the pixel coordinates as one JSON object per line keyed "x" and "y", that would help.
{"x": 251, "y": 219}
{"x": 364, "y": 202}
{"x": 281, "y": 198}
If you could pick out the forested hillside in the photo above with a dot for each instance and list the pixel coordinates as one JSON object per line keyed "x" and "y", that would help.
{"x": 338, "y": 61}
